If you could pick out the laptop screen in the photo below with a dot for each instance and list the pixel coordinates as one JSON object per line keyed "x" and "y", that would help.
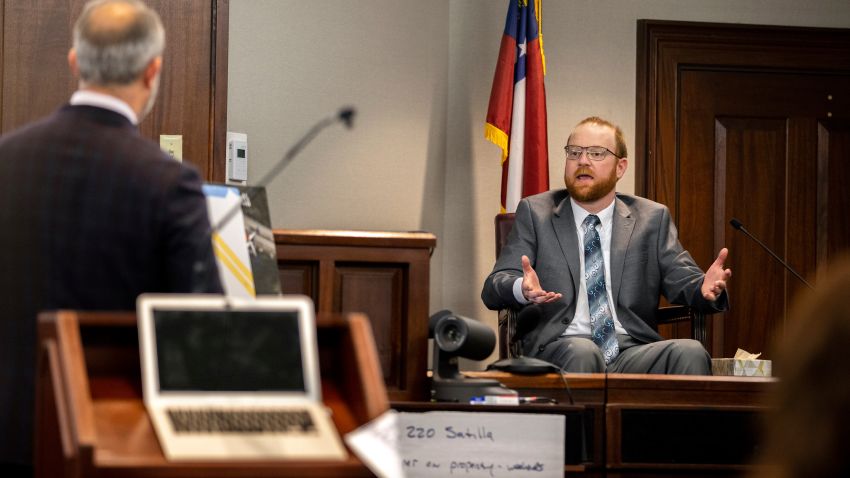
{"x": 228, "y": 351}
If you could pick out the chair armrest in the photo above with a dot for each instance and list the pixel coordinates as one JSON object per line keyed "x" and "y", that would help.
{"x": 509, "y": 347}
{"x": 677, "y": 313}
{"x": 514, "y": 325}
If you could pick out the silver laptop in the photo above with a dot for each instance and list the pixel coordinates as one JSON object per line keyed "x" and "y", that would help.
{"x": 230, "y": 379}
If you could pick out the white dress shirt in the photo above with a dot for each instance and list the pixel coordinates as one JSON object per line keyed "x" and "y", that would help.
{"x": 581, "y": 322}
{"x": 107, "y": 102}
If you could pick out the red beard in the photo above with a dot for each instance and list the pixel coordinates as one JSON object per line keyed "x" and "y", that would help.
{"x": 589, "y": 192}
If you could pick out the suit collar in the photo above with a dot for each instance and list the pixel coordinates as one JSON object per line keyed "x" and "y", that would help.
{"x": 564, "y": 225}
{"x": 621, "y": 235}
{"x": 107, "y": 102}
{"x": 99, "y": 115}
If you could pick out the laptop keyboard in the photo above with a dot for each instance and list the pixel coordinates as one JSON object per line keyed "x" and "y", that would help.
{"x": 239, "y": 421}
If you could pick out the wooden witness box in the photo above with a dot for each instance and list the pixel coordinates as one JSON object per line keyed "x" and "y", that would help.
{"x": 648, "y": 425}
{"x": 384, "y": 275}
{"x": 91, "y": 421}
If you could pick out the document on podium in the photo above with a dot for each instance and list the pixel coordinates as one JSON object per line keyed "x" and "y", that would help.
{"x": 229, "y": 242}
{"x": 260, "y": 238}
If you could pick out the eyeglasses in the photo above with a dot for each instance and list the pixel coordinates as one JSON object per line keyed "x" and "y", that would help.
{"x": 594, "y": 153}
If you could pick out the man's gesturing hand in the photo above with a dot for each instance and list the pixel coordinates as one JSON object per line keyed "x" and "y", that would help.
{"x": 715, "y": 277}
{"x": 531, "y": 285}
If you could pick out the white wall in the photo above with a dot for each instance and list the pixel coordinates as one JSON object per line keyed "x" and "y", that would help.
{"x": 293, "y": 62}
{"x": 419, "y": 73}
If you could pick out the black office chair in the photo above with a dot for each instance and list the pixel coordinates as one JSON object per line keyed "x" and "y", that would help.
{"x": 509, "y": 342}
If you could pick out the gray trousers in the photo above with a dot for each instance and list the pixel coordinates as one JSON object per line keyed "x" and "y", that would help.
{"x": 578, "y": 354}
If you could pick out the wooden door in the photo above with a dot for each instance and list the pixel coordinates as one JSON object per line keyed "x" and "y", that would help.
{"x": 36, "y": 37}
{"x": 751, "y": 123}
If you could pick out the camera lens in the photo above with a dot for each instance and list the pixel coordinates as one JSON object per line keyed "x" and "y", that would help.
{"x": 451, "y": 333}
{"x": 464, "y": 337}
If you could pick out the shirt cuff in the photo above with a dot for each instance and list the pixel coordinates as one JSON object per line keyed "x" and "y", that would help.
{"x": 518, "y": 292}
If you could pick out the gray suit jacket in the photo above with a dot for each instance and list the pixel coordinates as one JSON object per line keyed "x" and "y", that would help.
{"x": 647, "y": 260}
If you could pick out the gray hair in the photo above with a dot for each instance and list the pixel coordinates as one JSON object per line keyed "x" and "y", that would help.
{"x": 117, "y": 53}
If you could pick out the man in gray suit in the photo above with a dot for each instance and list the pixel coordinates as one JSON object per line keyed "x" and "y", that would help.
{"x": 574, "y": 253}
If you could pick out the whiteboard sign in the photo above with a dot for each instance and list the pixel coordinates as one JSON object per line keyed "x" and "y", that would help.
{"x": 464, "y": 444}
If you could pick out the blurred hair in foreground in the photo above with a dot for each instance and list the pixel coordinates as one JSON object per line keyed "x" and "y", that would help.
{"x": 808, "y": 433}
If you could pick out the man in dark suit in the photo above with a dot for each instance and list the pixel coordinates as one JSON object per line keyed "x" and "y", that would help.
{"x": 575, "y": 252}
{"x": 92, "y": 214}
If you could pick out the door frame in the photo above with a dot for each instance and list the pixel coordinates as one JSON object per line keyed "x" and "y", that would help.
{"x": 667, "y": 48}
{"x": 664, "y": 48}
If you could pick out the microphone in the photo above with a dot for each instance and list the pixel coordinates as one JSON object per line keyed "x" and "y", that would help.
{"x": 739, "y": 226}
{"x": 345, "y": 115}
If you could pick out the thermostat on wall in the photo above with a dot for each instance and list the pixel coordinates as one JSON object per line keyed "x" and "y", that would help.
{"x": 237, "y": 157}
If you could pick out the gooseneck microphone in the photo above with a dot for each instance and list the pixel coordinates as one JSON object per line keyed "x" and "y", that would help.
{"x": 739, "y": 226}
{"x": 344, "y": 115}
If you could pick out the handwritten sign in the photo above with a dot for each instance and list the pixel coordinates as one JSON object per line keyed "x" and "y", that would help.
{"x": 464, "y": 444}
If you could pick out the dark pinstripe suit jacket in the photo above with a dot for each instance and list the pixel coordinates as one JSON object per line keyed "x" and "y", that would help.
{"x": 647, "y": 261}
{"x": 91, "y": 215}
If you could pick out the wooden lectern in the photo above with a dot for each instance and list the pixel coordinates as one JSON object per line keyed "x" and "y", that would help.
{"x": 91, "y": 420}
{"x": 382, "y": 274}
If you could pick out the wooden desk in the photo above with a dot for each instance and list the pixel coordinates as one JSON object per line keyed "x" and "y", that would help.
{"x": 683, "y": 425}
{"x": 384, "y": 275}
{"x": 91, "y": 420}
{"x": 650, "y": 425}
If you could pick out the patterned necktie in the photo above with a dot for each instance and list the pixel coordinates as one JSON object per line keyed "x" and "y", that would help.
{"x": 601, "y": 320}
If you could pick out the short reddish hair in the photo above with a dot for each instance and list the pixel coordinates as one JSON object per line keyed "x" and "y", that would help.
{"x": 619, "y": 138}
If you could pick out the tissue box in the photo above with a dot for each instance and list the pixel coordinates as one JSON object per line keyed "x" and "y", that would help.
{"x": 741, "y": 367}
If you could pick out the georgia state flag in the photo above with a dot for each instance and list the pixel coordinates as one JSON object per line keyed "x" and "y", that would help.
{"x": 516, "y": 117}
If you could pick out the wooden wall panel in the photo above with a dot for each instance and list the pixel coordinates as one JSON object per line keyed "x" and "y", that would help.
{"x": 184, "y": 103}
{"x": 383, "y": 274}
{"x": 300, "y": 278}
{"x": 801, "y": 199}
{"x": 377, "y": 291}
{"x": 762, "y": 210}
{"x": 36, "y": 37}
{"x": 835, "y": 145}
{"x": 36, "y": 40}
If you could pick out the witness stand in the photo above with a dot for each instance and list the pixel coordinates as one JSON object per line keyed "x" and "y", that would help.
{"x": 642, "y": 425}
{"x": 683, "y": 425}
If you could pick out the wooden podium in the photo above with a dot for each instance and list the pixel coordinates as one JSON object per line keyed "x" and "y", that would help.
{"x": 384, "y": 275}
{"x": 91, "y": 421}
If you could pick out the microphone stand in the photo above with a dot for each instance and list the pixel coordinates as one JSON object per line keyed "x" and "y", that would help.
{"x": 739, "y": 226}
{"x": 344, "y": 115}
